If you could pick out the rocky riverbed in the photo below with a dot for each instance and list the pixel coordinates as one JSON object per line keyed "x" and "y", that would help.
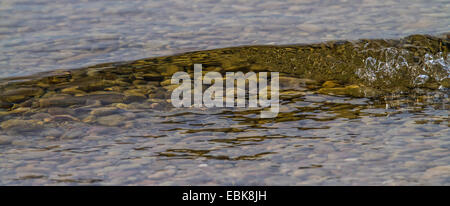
{"x": 352, "y": 112}
{"x": 316, "y": 139}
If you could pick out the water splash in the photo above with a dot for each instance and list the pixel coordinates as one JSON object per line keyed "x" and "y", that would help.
{"x": 393, "y": 62}
{"x": 437, "y": 62}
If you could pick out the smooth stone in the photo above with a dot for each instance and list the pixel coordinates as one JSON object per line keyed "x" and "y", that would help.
{"x": 21, "y": 125}
{"x": 99, "y": 85}
{"x": 107, "y": 98}
{"x": 122, "y": 106}
{"x": 52, "y": 132}
{"x": 73, "y": 134}
{"x": 292, "y": 93}
{"x": 102, "y": 131}
{"x": 258, "y": 68}
{"x": 329, "y": 84}
{"x": 5, "y": 140}
{"x": 129, "y": 115}
{"x": 93, "y": 102}
{"x": 63, "y": 118}
{"x": 136, "y": 92}
{"x": 61, "y": 101}
{"x": 60, "y": 111}
{"x": 90, "y": 119}
{"x": 351, "y": 90}
{"x": 149, "y": 87}
{"x": 20, "y": 110}
{"x": 72, "y": 90}
{"x": 104, "y": 111}
{"x": 93, "y": 137}
{"x": 40, "y": 116}
{"x": 134, "y": 98}
{"x": 112, "y": 120}
{"x": 20, "y": 94}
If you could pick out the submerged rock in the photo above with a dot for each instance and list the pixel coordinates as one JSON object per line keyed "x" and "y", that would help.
{"x": 60, "y": 111}
{"x": 21, "y": 125}
{"x": 5, "y": 140}
{"x": 72, "y": 90}
{"x": 329, "y": 84}
{"x": 73, "y": 134}
{"x": 52, "y": 133}
{"x": 104, "y": 111}
{"x": 16, "y": 95}
{"x": 112, "y": 120}
{"x": 346, "y": 68}
{"x": 61, "y": 101}
{"x": 107, "y": 98}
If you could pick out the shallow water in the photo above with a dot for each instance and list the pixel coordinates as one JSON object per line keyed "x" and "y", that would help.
{"x": 43, "y": 35}
{"x": 367, "y": 112}
{"x": 114, "y": 124}
{"x": 316, "y": 139}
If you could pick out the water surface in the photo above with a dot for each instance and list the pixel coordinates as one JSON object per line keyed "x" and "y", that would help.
{"x": 43, "y": 35}
{"x": 366, "y": 112}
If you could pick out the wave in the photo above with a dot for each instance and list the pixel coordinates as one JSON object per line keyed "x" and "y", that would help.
{"x": 416, "y": 61}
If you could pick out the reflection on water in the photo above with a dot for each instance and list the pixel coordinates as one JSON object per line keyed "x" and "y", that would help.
{"x": 45, "y": 35}
{"x": 316, "y": 139}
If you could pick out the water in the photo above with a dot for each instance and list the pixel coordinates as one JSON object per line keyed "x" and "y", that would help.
{"x": 316, "y": 139}
{"x": 45, "y": 35}
{"x": 367, "y": 112}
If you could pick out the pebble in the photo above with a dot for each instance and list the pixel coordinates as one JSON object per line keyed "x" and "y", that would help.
{"x": 20, "y": 94}
{"x": 104, "y": 111}
{"x": 111, "y": 120}
{"x": 73, "y": 134}
{"x": 21, "y": 125}
{"x": 52, "y": 132}
{"x": 329, "y": 84}
{"x": 63, "y": 118}
{"x": 61, "y": 101}
{"x": 60, "y": 111}
{"x": 5, "y": 140}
